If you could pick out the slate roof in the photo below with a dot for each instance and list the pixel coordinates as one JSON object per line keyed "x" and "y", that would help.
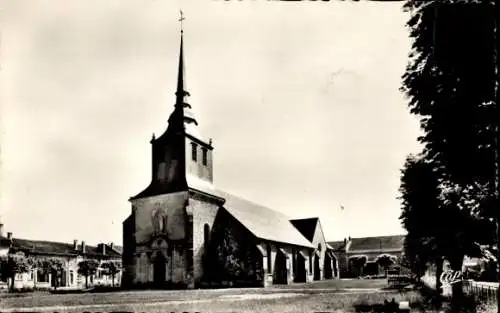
{"x": 371, "y": 243}
{"x": 377, "y": 243}
{"x": 307, "y": 226}
{"x": 261, "y": 221}
{"x": 57, "y": 248}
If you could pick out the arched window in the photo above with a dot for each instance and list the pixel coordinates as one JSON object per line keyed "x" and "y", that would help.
{"x": 165, "y": 220}
{"x": 206, "y": 234}
{"x": 162, "y": 171}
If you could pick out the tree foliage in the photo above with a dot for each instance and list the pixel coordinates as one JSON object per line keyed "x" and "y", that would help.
{"x": 450, "y": 82}
{"x": 13, "y": 264}
{"x": 87, "y": 268}
{"x": 450, "y": 85}
{"x": 111, "y": 268}
{"x": 357, "y": 264}
{"x": 232, "y": 255}
{"x": 385, "y": 261}
{"x": 52, "y": 266}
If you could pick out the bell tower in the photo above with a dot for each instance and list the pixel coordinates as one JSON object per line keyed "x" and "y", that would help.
{"x": 180, "y": 154}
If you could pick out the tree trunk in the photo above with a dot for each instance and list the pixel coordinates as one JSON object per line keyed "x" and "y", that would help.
{"x": 87, "y": 281}
{"x": 457, "y": 293}
{"x": 439, "y": 271}
{"x": 12, "y": 282}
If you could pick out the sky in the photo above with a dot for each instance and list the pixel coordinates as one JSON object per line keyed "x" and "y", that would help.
{"x": 301, "y": 100}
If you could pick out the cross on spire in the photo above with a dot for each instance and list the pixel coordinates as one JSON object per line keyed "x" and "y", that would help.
{"x": 182, "y": 18}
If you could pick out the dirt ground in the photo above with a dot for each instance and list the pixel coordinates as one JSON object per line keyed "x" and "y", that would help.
{"x": 331, "y": 296}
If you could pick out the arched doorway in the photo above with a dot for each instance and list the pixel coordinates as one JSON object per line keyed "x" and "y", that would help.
{"x": 300, "y": 269}
{"x": 317, "y": 274}
{"x": 328, "y": 267}
{"x": 280, "y": 270}
{"x": 159, "y": 269}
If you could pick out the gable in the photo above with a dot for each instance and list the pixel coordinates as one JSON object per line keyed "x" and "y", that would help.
{"x": 306, "y": 226}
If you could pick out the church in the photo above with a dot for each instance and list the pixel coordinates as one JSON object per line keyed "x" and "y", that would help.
{"x": 183, "y": 232}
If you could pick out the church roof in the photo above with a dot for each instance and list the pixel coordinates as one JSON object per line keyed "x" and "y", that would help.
{"x": 307, "y": 226}
{"x": 262, "y": 222}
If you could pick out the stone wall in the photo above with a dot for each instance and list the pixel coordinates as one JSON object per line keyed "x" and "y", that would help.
{"x": 171, "y": 206}
{"x": 204, "y": 213}
{"x": 233, "y": 256}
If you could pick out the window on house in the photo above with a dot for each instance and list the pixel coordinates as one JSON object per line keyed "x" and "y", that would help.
{"x": 205, "y": 156}
{"x": 206, "y": 234}
{"x": 42, "y": 276}
{"x": 269, "y": 258}
{"x": 194, "y": 151}
{"x": 71, "y": 277}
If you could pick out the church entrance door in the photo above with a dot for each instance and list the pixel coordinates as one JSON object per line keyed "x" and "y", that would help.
{"x": 316, "y": 268}
{"x": 300, "y": 274}
{"x": 280, "y": 270}
{"x": 159, "y": 270}
{"x": 328, "y": 266}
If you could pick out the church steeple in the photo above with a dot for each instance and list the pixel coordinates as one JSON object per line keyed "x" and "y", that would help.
{"x": 183, "y": 113}
{"x": 180, "y": 155}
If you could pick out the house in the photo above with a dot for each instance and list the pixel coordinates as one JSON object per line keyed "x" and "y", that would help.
{"x": 368, "y": 248}
{"x": 69, "y": 255}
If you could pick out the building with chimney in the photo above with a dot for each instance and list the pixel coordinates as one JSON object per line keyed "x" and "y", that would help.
{"x": 184, "y": 232}
{"x": 70, "y": 255}
{"x": 369, "y": 249}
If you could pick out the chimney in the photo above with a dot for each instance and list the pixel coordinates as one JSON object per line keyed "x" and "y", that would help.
{"x": 9, "y": 235}
{"x": 83, "y": 246}
{"x": 111, "y": 245}
{"x": 103, "y": 245}
{"x": 1, "y": 229}
{"x": 75, "y": 244}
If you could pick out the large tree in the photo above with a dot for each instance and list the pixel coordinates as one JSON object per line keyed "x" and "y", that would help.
{"x": 450, "y": 82}
{"x": 420, "y": 216}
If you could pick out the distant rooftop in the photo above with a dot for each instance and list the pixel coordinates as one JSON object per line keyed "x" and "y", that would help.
{"x": 394, "y": 242}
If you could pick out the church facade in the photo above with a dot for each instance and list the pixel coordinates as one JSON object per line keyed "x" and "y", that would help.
{"x": 183, "y": 232}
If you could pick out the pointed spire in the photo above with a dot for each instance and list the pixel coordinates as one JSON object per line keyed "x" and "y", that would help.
{"x": 182, "y": 114}
{"x": 181, "y": 92}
